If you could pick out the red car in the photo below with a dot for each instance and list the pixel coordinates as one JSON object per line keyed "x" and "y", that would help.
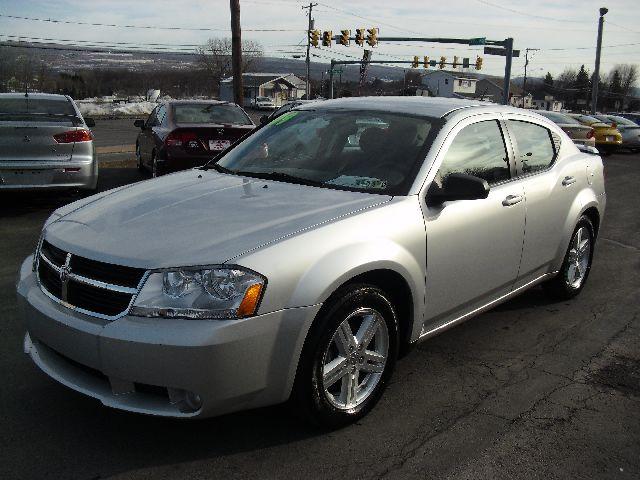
{"x": 182, "y": 134}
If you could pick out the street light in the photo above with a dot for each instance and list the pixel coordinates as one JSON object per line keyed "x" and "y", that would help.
{"x": 596, "y": 72}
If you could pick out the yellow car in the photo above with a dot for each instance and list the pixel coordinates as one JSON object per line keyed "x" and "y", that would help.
{"x": 608, "y": 138}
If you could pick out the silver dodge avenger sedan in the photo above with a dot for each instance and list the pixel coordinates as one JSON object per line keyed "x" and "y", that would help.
{"x": 302, "y": 262}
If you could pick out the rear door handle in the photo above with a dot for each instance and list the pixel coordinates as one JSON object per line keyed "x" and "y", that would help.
{"x": 568, "y": 181}
{"x": 512, "y": 200}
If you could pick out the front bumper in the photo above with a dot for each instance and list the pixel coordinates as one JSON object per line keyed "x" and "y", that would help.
{"x": 148, "y": 365}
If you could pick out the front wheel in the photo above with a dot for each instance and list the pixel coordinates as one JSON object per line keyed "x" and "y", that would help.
{"x": 576, "y": 265}
{"x": 348, "y": 358}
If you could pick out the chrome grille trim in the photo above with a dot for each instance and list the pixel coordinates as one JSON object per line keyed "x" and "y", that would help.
{"x": 86, "y": 281}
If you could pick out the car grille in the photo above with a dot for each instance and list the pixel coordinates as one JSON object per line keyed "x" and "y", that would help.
{"x": 93, "y": 287}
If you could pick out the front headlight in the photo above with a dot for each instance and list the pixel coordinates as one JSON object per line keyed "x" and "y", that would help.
{"x": 205, "y": 293}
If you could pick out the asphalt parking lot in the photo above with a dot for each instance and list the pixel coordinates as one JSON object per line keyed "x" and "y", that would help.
{"x": 532, "y": 389}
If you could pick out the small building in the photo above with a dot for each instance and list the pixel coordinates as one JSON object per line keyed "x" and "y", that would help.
{"x": 449, "y": 84}
{"x": 487, "y": 89}
{"x": 279, "y": 87}
{"x": 548, "y": 103}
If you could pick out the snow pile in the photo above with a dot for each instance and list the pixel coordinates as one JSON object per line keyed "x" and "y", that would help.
{"x": 99, "y": 109}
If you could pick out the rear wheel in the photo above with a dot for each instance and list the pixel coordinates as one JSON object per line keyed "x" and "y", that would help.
{"x": 577, "y": 263}
{"x": 348, "y": 358}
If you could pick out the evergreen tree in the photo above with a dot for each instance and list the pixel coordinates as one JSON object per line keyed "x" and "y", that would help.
{"x": 548, "y": 80}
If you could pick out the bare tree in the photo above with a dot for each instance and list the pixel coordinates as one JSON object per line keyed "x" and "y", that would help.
{"x": 215, "y": 57}
{"x": 628, "y": 76}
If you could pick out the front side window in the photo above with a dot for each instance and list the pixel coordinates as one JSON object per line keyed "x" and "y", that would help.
{"x": 535, "y": 145}
{"x": 377, "y": 152}
{"x": 478, "y": 150}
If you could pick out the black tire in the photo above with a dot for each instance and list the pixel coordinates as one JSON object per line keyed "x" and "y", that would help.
{"x": 560, "y": 287}
{"x": 308, "y": 395}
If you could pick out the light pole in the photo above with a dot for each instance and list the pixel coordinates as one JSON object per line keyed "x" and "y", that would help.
{"x": 596, "y": 71}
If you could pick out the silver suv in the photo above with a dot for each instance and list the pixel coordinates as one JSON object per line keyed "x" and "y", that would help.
{"x": 308, "y": 257}
{"x": 45, "y": 143}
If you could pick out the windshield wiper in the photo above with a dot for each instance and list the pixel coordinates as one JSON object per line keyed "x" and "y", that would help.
{"x": 217, "y": 167}
{"x": 281, "y": 176}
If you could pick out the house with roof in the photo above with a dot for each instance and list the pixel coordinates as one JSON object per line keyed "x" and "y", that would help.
{"x": 489, "y": 89}
{"x": 449, "y": 84}
{"x": 279, "y": 87}
{"x": 548, "y": 102}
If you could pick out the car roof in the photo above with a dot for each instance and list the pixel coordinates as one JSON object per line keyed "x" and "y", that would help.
{"x": 47, "y": 96}
{"x": 425, "y": 106}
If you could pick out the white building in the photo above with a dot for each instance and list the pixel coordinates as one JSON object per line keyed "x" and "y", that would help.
{"x": 280, "y": 87}
{"x": 548, "y": 103}
{"x": 448, "y": 84}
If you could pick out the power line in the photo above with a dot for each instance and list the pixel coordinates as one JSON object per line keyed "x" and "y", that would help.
{"x": 147, "y": 27}
{"x": 518, "y": 12}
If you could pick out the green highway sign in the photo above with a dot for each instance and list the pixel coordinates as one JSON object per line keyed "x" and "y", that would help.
{"x": 477, "y": 41}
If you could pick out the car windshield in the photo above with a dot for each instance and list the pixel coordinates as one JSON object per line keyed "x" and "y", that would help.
{"x": 559, "y": 118}
{"x": 376, "y": 152}
{"x": 210, "y": 113}
{"x": 622, "y": 121}
{"x": 30, "y": 108}
{"x": 588, "y": 119}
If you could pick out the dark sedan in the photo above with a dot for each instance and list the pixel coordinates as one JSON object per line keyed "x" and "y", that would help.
{"x": 184, "y": 134}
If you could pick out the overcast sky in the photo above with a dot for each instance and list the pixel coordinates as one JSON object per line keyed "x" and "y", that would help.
{"x": 546, "y": 25}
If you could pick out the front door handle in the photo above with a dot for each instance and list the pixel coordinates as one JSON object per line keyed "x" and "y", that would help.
{"x": 512, "y": 200}
{"x": 568, "y": 181}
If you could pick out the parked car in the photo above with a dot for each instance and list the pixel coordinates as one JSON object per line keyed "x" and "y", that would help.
{"x": 182, "y": 134}
{"x": 283, "y": 109}
{"x": 634, "y": 117}
{"x": 263, "y": 103}
{"x": 580, "y": 134}
{"x": 297, "y": 268}
{"x": 608, "y": 138}
{"x": 629, "y": 130}
{"x": 45, "y": 143}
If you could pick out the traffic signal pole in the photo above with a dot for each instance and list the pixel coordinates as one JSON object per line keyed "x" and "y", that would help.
{"x": 508, "y": 45}
{"x": 308, "y": 61}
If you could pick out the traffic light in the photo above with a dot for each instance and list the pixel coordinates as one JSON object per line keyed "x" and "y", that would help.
{"x": 314, "y": 37}
{"x": 443, "y": 60}
{"x": 360, "y": 36}
{"x": 479, "y": 63}
{"x": 426, "y": 62}
{"x": 465, "y": 63}
{"x": 372, "y": 37}
{"x": 344, "y": 37}
{"x": 416, "y": 62}
{"x": 327, "y": 38}
{"x": 455, "y": 62}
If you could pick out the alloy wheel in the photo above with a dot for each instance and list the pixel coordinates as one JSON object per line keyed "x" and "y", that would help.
{"x": 353, "y": 363}
{"x": 578, "y": 260}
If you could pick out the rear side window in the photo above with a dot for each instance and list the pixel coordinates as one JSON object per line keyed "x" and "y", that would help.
{"x": 30, "y": 108}
{"x": 535, "y": 145}
{"x": 478, "y": 150}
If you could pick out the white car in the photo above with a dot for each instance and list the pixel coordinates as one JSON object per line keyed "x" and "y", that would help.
{"x": 263, "y": 103}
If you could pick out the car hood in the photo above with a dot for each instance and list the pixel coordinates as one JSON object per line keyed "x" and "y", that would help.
{"x": 196, "y": 217}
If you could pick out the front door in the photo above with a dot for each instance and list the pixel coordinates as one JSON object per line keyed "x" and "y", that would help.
{"x": 473, "y": 246}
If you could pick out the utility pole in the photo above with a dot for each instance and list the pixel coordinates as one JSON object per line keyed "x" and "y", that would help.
{"x": 524, "y": 82}
{"x": 236, "y": 52}
{"x": 596, "y": 71}
{"x": 508, "y": 45}
{"x": 308, "y": 61}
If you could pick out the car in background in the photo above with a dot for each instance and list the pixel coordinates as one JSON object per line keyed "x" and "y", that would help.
{"x": 45, "y": 143}
{"x": 182, "y": 134}
{"x": 608, "y": 138}
{"x": 283, "y": 109}
{"x": 629, "y": 130}
{"x": 634, "y": 117}
{"x": 263, "y": 103}
{"x": 579, "y": 133}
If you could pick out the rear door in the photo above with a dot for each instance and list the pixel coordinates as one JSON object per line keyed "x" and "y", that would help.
{"x": 550, "y": 187}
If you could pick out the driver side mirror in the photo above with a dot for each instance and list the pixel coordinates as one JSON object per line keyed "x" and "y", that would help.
{"x": 139, "y": 124}
{"x": 90, "y": 122}
{"x": 458, "y": 186}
